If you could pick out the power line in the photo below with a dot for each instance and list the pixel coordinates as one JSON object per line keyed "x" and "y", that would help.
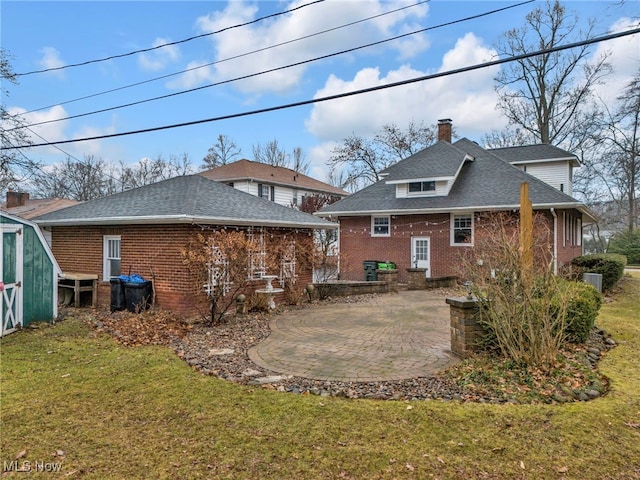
{"x": 264, "y": 72}
{"x": 235, "y": 57}
{"x": 88, "y": 62}
{"x": 348, "y": 94}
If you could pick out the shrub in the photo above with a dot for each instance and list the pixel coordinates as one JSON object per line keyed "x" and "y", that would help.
{"x": 627, "y": 243}
{"x": 609, "y": 265}
{"x": 582, "y": 305}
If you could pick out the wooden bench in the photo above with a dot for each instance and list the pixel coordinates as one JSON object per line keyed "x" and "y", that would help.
{"x": 80, "y": 282}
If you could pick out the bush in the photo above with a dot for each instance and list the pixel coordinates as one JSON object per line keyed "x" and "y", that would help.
{"x": 628, "y": 244}
{"x": 582, "y": 306}
{"x": 609, "y": 265}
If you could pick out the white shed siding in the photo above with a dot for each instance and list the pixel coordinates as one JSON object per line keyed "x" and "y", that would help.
{"x": 556, "y": 174}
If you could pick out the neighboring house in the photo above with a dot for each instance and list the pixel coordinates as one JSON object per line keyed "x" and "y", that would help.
{"x": 20, "y": 205}
{"x": 277, "y": 184}
{"x": 143, "y": 231}
{"x": 28, "y": 275}
{"x": 426, "y": 210}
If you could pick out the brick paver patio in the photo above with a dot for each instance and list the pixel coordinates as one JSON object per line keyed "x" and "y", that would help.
{"x": 391, "y": 337}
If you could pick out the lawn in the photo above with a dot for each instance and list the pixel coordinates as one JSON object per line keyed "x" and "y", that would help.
{"x": 82, "y": 404}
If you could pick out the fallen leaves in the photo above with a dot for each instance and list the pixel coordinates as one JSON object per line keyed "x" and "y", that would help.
{"x": 153, "y": 327}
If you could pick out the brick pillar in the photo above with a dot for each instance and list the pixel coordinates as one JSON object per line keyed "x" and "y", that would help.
{"x": 390, "y": 277}
{"x": 416, "y": 278}
{"x": 466, "y": 331}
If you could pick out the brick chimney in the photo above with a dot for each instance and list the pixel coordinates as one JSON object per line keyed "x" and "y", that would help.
{"x": 16, "y": 199}
{"x": 444, "y": 129}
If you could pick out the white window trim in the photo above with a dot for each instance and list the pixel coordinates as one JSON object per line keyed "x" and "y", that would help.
{"x": 106, "y": 271}
{"x": 423, "y": 193}
{"x": 373, "y": 218}
{"x": 452, "y": 230}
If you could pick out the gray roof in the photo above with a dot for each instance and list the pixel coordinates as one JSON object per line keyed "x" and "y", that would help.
{"x": 534, "y": 153}
{"x": 440, "y": 160}
{"x": 184, "y": 199}
{"x": 486, "y": 183}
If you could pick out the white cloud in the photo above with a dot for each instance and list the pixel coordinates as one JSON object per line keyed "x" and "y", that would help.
{"x": 51, "y": 59}
{"x": 283, "y": 29}
{"x": 59, "y": 131}
{"x": 196, "y": 73}
{"x": 158, "y": 59}
{"x": 624, "y": 57}
{"x": 468, "y": 98}
{"x": 47, "y": 132}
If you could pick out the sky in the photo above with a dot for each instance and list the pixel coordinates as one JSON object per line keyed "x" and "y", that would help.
{"x": 46, "y": 35}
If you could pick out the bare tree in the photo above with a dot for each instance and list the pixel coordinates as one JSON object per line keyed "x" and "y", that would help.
{"x": 546, "y": 96}
{"x": 148, "y": 171}
{"x": 364, "y": 159}
{"x": 299, "y": 162}
{"x": 222, "y": 152}
{"x": 271, "y": 154}
{"x": 620, "y": 138}
{"x": 15, "y": 165}
{"x": 509, "y": 137}
{"x": 75, "y": 179}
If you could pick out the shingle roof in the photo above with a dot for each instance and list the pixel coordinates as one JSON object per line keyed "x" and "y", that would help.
{"x": 532, "y": 153}
{"x": 38, "y": 206}
{"x": 488, "y": 182}
{"x": 249, "y": 170}
{"x": 440, "y": 160}
{"x": 185, "y": 199}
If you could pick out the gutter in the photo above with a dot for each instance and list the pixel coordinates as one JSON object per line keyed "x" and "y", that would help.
{"x": 182, "y": 219}
{"x": 475, "y": 208}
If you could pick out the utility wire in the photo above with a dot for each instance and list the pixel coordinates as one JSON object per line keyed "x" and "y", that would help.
{"x": 143, "y": 50}
{"x": 264, "y": 72}
{"x": 235, "y": 57}
{"x": 423, "y": 78}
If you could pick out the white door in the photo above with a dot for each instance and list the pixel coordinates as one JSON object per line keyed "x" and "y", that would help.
{"x": 420, "y": 254}
{"x": 11, "y": 251}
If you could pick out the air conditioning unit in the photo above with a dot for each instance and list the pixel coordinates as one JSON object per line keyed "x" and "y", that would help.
{"x": 594, "y": 279}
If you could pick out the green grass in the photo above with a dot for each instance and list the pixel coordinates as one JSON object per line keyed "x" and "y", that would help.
{"x": 119, "y": 412}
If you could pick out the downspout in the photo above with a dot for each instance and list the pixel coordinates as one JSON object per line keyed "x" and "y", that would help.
{"x": 555, "y": 241}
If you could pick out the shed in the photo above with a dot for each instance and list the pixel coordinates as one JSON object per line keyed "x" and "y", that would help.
{"x": 29, "y": 275}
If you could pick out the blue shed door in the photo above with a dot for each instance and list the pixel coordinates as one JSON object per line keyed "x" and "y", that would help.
{"x": 11, "y": 251}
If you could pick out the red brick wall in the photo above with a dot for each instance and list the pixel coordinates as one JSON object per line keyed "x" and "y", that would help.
{"x": 357, "y": 244}
{"x": 566, "y": 251}
{"x": 152, "y": 251}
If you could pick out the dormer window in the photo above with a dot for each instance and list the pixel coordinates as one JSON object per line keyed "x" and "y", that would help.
{"x": 422, "y": 187}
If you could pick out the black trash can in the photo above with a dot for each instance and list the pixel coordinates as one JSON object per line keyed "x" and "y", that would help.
{"x": 370, "y": 267}
{"x": 138, "y": 295}
{"x": 118, "y": 301}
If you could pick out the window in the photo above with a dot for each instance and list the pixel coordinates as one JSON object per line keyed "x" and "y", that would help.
{"x": 462, "y": 229}
{"x": 418, "y": 187}
{"x": 380, "y": 226}
{"x": 572, "y": 230}
{"x": 267, "y": 191}
{"x": 111, "y": 257}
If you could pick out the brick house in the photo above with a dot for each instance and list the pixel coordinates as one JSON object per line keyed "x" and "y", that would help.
{"x": 428, "y": 208}
{"x": 143, "y": 230}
